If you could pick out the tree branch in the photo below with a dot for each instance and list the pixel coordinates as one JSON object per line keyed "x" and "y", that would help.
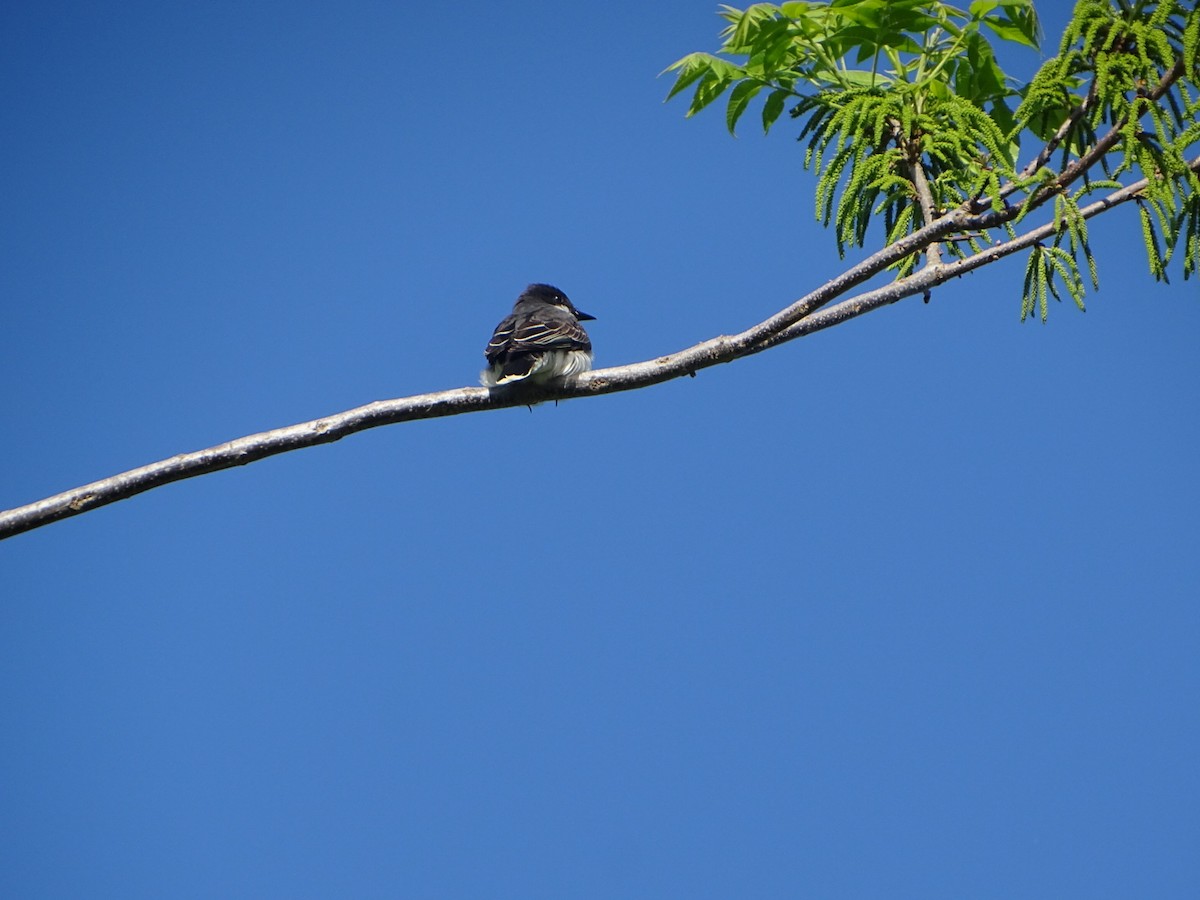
{"x": 1098, "y": 150}
{"x": 800, "y": 318}
{"x": 930, "y": 277}
{"x": 933, "y": 253}
{"x": 1053, "y": 144}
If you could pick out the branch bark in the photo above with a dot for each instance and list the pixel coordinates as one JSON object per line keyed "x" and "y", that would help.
{"x": 933, "y": 253}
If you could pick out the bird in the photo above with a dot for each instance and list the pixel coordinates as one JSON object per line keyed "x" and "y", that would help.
{"x": 539, "y": 340}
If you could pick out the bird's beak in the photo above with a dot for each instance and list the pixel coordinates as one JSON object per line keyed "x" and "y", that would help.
{"x": 583, "y": 317}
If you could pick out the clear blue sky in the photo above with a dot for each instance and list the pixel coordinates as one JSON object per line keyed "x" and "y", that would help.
{"x": 904, "y": 609}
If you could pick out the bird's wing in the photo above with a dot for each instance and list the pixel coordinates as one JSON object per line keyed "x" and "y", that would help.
{"x": 501, "y": 338}
{"x": 536, "y": 334}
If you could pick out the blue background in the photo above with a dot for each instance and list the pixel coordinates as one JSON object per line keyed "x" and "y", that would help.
{"x": 907, "y": 608}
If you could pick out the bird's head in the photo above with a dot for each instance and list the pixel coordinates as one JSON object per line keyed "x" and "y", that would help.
{"x": 539, "y": 294}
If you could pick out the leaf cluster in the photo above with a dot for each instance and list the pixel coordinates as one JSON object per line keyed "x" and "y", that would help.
{"x": 906, "y": 114}
{"x": 866, "y": 146}
{"x": 1110, "y": 62}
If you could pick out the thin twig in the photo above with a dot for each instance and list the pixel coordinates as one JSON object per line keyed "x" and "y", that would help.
{"x": 1056, "y": 139}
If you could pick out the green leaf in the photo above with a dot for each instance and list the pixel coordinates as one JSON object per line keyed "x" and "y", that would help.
{"x": 711, "y": 86}
{"x": 739, "y": 98}
{"x": 1002, "y": 115}
{"x": 981, "y": 8}
{"x": 1017, "y": 22}
{"x": 1009, "y": 31}
{"x": 862, "y": 78}
{"x": 690, "y": 68}
{"x": 773, "y": 108}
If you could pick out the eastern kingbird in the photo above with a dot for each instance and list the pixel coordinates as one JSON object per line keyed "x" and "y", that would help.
{"x": 540, "y": 340}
